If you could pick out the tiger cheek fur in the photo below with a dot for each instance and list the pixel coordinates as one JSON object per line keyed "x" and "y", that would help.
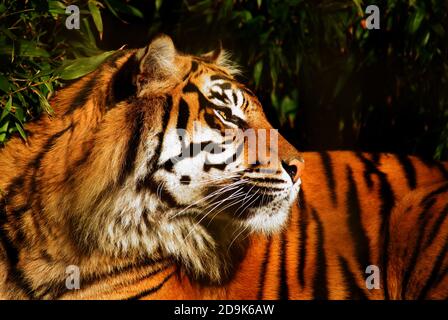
{"x": 135, "y": 165}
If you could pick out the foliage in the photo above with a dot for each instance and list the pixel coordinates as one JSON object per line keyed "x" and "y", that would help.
{"x": 37, "y": 52}
{"x": 322, "y": 77}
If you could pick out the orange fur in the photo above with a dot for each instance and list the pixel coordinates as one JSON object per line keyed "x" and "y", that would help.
{"x": 354, "y": 209}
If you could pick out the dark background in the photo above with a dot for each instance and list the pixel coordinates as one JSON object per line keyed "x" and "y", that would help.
{"x": 324, "y": 79}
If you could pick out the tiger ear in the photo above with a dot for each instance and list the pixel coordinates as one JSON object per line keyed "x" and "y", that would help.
{"x": 156, "y": 62}
{"x": 215, "y": 55}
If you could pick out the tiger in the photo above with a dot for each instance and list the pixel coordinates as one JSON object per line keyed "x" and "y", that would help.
{"x": 135, "y": 183}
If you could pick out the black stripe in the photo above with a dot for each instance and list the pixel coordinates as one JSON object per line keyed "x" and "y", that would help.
{"x": 284, "y": 294}
{"x": 354, "y": 291}
{"x": 203, "y": 101}
{"x": 221, "y": 96}
{"x": 376, "y": 157}
{"x": 84, "y": 94}
{"x": 183, "y": 114}
{"x": 112, "y": 60}
{"x": 388, "y": 202}
{"x": 168, "y": 106}
{"x": 122, "y": 86}
{"x": 136, "y": 119}
{"x": 148, "y": 183}
{"x": 435, "y": 275}
{"x": 35, "y": 163}
{"x": 235, "y": 98}
{"x": 193, "y": 69}
{"x": 250, "y": 93}
{"x": 439, "y": 165}
{"x": 151, "y": 290}
{"x": 15, "y": 274}
{"x": 104, "y": 277}
{"x": 264, "y": 267}
{"x": 408, "y": 169}
{"x": 152, "y": 163}
{"x": 422, "y": 222}
{"x": 320, "y": 284}
{"x": 267, "y": 180}
{"x": 212, "y": 121}
{"x": 194, "y": 66}
{"x": 354, "y": 223}
{"x": 70, "y": 171}
{"x": 301, "y": 199}
{"x": 16, "y": 186}
{"x": 329, "y": 174}
{"x": 218, "y": 166}
{"x": 303, "y": 225}
{"x": 431, "y": 195}
{"x": 442, "y": 170}
{"x": 436, "y": 227}
{"x": 216, "y": 77}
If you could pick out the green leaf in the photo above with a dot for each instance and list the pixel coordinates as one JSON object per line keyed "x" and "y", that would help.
{"x": 7, "y": 109}
{"x": 25, "y": 49}
{"x": 111, "y": 9}
{"x": 258, "y": 69}
{"x": 416, "y": 21}
{"x": 358, "y": 5}
{"x": 3, "y": 131}
{"x": 8, "y": 33}
{"x": 18, "y": 112}
{"x": 288, "y": 105}
{"x": 4, "y": 83}
{"x": 4, "y": 127}
{"x": 77, "y": 68}
{"x": 96, "y": 15}
{"x": 426, "y": 39}
{"x": 274, "y": 100}
{"x": 44, "y": 102}
{"x": 21, "y": 131}
{"x": 56, "y": 7}
{"x": 438, "y": 28}
{"x": 125, "y": 8}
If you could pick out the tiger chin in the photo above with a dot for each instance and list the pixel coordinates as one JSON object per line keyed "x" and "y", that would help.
{"x": 137, "y": 165}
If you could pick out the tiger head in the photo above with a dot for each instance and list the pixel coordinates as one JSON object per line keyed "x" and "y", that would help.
{"x": 218, "y": 151}
{"x": 178, "y": 145}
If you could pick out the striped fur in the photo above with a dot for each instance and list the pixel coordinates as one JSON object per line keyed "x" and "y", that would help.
{"x": 102, "y": 186}
{"x": 111, "y": 182}
{"x": 330, "y": 240}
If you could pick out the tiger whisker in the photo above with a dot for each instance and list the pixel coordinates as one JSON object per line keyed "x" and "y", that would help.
{"x": 214, "y": 193}
{"x": 209, "y": 211}
{"x": 234, "y": 239}
{"x": 239, "y": 211}
{"x": 227, "y": 206}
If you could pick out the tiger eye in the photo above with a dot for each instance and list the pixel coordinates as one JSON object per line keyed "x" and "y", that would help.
{"x": 223, "y": 115}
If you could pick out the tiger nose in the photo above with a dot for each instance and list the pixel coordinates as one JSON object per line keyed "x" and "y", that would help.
{"x": 294, "y": 168}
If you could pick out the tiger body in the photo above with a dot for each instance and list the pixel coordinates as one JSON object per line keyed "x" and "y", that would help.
{"x": 101, "y": 186}
{"x": 332, "y": 236}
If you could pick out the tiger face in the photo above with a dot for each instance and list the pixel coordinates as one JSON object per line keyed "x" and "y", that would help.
{"x": 219, "y": 155}
{"x": 197, "y": 149}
